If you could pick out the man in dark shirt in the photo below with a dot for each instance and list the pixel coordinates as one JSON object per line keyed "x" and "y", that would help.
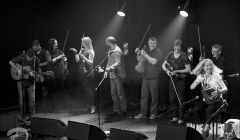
{"x": 151, "y": 76}
{"x": 24, "y": 66}
{"x": 45, "y": 59}
{"x": 218, "y": 59}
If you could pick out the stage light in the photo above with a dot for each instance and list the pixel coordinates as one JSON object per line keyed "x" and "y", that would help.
{"x": 183, "y": 13}
{"x": 183, "y": 10}
{"x": 122, "y": 10}
{"x": 120, "y": 13}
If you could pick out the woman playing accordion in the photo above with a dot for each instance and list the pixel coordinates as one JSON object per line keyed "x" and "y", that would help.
{"x": 208, "y": 75}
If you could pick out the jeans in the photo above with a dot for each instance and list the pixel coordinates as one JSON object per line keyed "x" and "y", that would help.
{"x": 149, "y": 88}
{"x": 23, "y": 88}
{"x": 118, "y": 95}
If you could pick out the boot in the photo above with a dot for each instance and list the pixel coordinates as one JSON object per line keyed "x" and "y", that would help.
{"x": 93, "y": 108}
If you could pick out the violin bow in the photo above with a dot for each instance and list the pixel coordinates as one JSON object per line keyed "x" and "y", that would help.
{"x": 65, "y": 41}
{"x": 144, "y": 35}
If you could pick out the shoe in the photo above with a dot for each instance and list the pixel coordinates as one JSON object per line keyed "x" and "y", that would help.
{"x": 115, "y": 113}
{"x": 152, "y": 117}
{"x": 140, "y": 116}
{"x": 181, "y": 122}
{"x": 174, "y": 121}
{"x": 93, "y": 109}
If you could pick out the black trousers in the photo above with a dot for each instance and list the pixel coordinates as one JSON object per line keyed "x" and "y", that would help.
{"x": 209, "y": 109}
{"x": 180, "y": 84}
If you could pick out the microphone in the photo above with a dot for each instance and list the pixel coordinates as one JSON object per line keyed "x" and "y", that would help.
{"x": 225, "y": 102}
{"x": 191, "y": 100}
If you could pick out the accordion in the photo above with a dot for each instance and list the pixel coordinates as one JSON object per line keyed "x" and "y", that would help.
{"x": 208, "y": 95}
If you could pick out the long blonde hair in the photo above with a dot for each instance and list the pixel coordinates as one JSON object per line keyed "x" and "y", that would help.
{"x": 199, "y": 68}
{"x": 88, "y": 44}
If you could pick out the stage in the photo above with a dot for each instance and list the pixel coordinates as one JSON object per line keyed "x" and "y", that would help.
{"x": 107, "y": 120}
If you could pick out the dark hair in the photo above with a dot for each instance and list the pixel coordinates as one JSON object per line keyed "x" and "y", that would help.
{"x": 35, "y": 42}
{"x": 30, "y": 52}
{"x": 152, "y": 38}
{"x": 51, "y": 41}
{"x": 177, "y": 42}
{"x": 217, "y": 46}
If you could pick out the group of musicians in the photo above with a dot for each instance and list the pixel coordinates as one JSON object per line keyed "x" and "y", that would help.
{"x": 208, "y": 73}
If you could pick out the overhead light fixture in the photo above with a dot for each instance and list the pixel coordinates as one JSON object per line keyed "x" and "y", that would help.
{"x": 183, "y": 10}
{"x": 122, "y": 10}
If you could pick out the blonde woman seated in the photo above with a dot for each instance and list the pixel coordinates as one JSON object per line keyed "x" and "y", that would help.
{"x": 208, "y": 75}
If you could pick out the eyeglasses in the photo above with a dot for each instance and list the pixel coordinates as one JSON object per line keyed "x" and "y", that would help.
{"x": 215, "y": 51}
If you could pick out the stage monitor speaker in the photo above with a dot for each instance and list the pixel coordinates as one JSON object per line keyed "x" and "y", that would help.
{"x": 8, "y": 122}
{"x": 176, "y": 132}
{"x": 81, "y": 131}
{"x": 47, "y": 127}
{"x": 118, "y": 134}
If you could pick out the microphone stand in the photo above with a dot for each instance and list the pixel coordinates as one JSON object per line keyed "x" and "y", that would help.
{"x": 23, "y": 94}
{"x": 173, "y": 108}
{"x": 175, "y": 91}
{"x": 96, "y": 89}
{"x": 97, "y": 66}
{"x": 221, "y": 108}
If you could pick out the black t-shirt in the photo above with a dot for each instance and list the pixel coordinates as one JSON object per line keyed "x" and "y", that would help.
{"x": 44, "y": 56}
{"x": 178, "y": 63}
{"x": 153, "y": 71}
{"x": 220, "y": 63}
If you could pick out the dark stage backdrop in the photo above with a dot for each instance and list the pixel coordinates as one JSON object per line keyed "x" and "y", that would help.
{"x": 23, "y": 21}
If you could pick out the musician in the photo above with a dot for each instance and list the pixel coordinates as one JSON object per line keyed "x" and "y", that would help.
{"x": 177, "y": 66}
{"x": 26, "y": 85}
{"x": 45, "y": 59}
{"x": 85, "y": 59}
{"x": 58, "y": 63}
{"x": 42, "y": 54}
{"x": 114, "y": 69}
{"x": 208, "y": 75}
{"x": 151, "y": 78}
{"x": 218, "y": 59}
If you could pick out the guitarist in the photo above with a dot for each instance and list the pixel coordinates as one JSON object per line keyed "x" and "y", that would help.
{"x": 30, "y": 62}
{"x": 177, "y": 65}
{"x": 114, "y": 69}
{"x": 45, "y": 59}
{"x": 149, "y": 64}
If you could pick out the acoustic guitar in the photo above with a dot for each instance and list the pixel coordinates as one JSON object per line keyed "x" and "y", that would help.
{"x": 26, "y": 73}
{"x": 141, "y": 61}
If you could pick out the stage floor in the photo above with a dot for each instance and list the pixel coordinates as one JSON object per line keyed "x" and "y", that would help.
{"x": 107, "y": 120}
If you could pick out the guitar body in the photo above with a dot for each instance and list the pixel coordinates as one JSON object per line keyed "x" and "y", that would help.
{"x": 140, "y": 66}
{"x": 25, "y": 72}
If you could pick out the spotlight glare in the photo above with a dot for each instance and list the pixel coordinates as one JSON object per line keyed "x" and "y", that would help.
{"x": 120, "y": 13}
{"x": 183, "y": 13}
